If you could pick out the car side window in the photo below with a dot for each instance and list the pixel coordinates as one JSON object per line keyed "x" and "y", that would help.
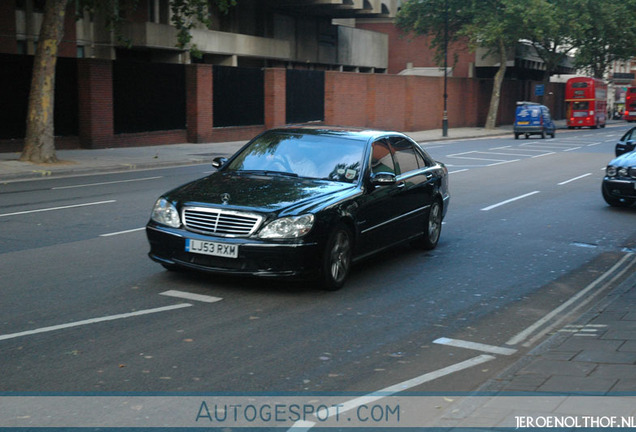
{"x": 404, "y": 154}
{"x": 381, "y": 158}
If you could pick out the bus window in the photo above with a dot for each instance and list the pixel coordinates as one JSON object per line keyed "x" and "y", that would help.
{"x": 580, "y": 105}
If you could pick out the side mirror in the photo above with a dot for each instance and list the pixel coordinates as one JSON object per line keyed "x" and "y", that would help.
{"x": 383, "y": 179}
{"x": 218, "y": 162}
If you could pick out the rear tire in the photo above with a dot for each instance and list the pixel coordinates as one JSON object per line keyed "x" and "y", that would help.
{"x": 433, "y": 227}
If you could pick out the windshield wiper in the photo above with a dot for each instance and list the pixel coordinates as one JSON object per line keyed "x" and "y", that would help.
{"x": 266, "y": 172}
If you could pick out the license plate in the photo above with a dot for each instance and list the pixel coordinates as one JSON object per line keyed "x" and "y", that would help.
{"x": 523, "y": 123}
{"x": 211, "y": 248}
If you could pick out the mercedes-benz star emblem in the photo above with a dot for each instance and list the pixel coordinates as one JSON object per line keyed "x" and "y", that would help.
{"x": 225, "y": 198}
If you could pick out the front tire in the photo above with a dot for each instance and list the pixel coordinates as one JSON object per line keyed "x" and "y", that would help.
{"x": 433, "y": 227}
{"x": 336, "y": 261}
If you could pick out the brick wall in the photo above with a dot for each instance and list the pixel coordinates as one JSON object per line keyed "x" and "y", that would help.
{"x": 199, "y": 99}
{"x": 409, "y": 48}
{"x": 95, "y": 91}
{"x": 396, "y": 102}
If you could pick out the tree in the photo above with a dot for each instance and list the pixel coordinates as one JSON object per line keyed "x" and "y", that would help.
{"x": 551, "y": 27}
{"x": 492, "y": 24}
{"x": 39, "y": 143}
{"x": 608, "y": 34}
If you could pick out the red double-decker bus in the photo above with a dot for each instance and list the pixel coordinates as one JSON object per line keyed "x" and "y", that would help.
{"x": 630, "y": 104}
{"x": 586, "y": 102}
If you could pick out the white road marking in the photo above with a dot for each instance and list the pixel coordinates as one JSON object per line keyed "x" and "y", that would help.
{"x": 106, "y": 183}
{"x": 94, "y": 321}
{"x": 389, "y": 391}
{"x": 191, "y": 296}
{"x": 574, "y": 179}
{"x": 57, "y": 208}
{"x": 122, "y": 232}
{"x": 475, "y": 346}
{"x": 509, "y": 201}
{"x": 523, "y": 335}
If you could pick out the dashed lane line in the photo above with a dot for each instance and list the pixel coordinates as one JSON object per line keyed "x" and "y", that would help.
{"x": 94, "y": 321}
{"x": 57, "y": 208}
{"x": 499, "y": 204}
{"x": 191, "y": 296}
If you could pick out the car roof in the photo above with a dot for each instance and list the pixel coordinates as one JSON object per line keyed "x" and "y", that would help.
{"x": 348, "y": 132}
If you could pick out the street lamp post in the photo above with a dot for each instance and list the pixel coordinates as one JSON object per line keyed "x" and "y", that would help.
{"x": 445, "y": 113}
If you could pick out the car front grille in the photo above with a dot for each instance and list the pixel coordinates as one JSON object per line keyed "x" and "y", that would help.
{"x": 221, "y": 222}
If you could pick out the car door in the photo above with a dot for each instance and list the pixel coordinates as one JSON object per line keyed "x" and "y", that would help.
{"x": 417, "y": 178}
{"x": 381, "y": 206}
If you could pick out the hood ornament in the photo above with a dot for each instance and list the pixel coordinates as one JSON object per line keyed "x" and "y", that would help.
{"x": 225, "y": 198}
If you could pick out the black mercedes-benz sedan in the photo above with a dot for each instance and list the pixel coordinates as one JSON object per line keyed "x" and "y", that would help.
{"x": 303, "y": 203}
{"x": 619, "y": 183}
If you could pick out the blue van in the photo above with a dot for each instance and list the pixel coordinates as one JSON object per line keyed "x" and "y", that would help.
{"x": 533, "y": 119}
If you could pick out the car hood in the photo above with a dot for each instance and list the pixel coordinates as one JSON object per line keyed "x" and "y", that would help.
{"x": 262, "y": 193}
{"x": 625, "y": 160}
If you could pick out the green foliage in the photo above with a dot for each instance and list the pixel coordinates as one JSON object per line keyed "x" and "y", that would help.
{"x": 186, "y": 14}
{"x": 598, "y": 32}
{"x": 484, "y": 23}
{"x": 608, "y": 34}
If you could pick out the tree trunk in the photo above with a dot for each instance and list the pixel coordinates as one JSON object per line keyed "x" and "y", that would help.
{"x": 39, "y": 144}
{"x": 491, "y": 120}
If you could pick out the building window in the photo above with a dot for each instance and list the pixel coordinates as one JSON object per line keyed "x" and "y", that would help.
{"x": 38, "y": 6}
{"x": 80, "y": 51}
{"x": 22, "y": 47}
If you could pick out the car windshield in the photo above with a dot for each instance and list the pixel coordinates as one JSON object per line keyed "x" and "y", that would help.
{"x": 327, "y": 156}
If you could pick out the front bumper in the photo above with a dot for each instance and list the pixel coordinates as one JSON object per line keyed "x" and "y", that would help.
{"x": 619, "y": 188}
{"x": 298, "y": 259}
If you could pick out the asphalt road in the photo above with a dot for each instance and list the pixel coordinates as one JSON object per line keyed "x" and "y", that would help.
{"x": 83, "y": 309}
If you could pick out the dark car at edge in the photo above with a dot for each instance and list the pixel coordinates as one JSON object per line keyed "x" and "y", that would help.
{"x": 303, "y": 203}
{"x": 619, "y": 183}
{"x": 627, "y": 142}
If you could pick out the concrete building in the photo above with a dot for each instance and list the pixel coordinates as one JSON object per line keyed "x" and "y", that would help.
{"x": 313, "y": 34}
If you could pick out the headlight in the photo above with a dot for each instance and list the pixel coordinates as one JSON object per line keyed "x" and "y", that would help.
{"x": 611, "y": 171}
{"x": 165, "y": 213}
{"x": 288, "y": 227}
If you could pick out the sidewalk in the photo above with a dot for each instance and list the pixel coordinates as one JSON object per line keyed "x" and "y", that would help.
{"x": 596, "y": 354}
{"x": 78, "y": 162}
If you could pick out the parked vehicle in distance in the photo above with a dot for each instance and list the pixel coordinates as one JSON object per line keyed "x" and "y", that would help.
{"x": 585, "y": 102}
{"x": 619, "y": 183}
{"x": 533, "y": 119}
{"x": 627, "y": 142}
{"x": 303, "y": 203}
